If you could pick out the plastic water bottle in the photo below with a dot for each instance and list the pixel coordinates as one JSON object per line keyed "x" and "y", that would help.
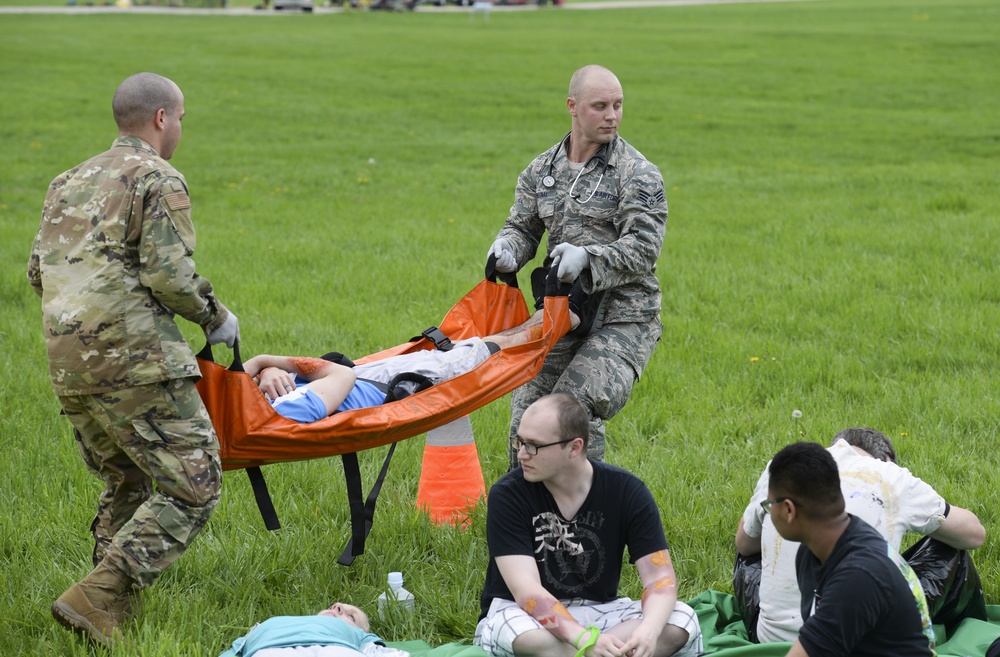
{"x": 396, "y": 596}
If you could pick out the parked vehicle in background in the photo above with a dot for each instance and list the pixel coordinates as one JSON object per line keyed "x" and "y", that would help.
{"x": 293, "y": 5}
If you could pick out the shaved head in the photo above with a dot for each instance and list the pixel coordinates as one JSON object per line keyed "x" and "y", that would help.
{"x": 583, "y": 77}
{"x": 138, "y": 99}
{"x": 595, "y": 103}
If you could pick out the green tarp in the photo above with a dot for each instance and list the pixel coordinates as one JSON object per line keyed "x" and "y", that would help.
{"x": 725, "y": 636}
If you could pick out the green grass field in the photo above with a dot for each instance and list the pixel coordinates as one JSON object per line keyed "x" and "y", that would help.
{"x": 319, "y": 5}
{"x": 831, "y": 170}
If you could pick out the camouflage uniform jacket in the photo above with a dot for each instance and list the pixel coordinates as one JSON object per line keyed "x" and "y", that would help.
{"x": 112, "y": 263}
{"x": 621, "y": 226}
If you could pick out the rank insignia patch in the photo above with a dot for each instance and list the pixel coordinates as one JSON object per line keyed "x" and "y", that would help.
{"x": 651, "y": 200}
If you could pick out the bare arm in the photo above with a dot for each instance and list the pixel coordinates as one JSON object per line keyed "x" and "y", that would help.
{"x": 528, "y": 331}
{"x": 520, "y": 334}
{"x": 745, "y": 544}
{"x": 330, "y": 381}
{"x": 797, "y": 651}
{"x": 961, "y": 530}
{"x": 659, "y": 596}
{"x": 520, "y": 573}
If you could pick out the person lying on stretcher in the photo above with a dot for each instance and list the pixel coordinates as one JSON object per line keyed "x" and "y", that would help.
{"x": 307, "y": 389}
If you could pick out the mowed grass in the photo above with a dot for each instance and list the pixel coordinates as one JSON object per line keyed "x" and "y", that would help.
{"x": 831, "y": 172}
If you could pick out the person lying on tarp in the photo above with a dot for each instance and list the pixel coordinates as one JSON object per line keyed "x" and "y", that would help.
{"x": 342, "y": 630}
{"x": 307, "y": 389}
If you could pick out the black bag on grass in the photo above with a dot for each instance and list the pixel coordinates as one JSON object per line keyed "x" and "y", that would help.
{"x": 746, "y": 588}
{"x": 950, "y": 581}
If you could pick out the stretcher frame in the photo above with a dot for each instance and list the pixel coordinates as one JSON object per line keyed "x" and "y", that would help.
{"x": 252, "y": 434}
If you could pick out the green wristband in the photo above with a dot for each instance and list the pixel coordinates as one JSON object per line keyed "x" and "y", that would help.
{"x": 591, "y": 633}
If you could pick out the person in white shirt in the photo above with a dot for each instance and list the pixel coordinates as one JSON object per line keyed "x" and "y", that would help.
{"x": 876, "y": 489}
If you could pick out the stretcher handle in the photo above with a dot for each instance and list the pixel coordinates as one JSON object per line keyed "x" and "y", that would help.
{"x": 492, "y": 274}
{"x": 206, "y": 355}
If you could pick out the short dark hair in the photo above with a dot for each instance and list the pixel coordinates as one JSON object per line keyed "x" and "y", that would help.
{"x": 139, "y": 97}
{"x": 874, "y": 442}
{"x": 572, "y": 417}
{"x": 807, "y": 473}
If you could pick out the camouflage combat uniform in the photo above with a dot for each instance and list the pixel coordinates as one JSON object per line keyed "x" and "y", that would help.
{"x": 112, "y": 263}
{"x": 621, "y": 223}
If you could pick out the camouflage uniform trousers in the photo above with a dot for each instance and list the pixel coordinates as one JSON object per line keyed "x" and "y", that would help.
{"x": 599, "y": 370}
{"x": 137, "y": 438}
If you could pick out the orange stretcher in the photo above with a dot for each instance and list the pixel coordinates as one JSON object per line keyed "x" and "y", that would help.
{"x": 252, "y": 434}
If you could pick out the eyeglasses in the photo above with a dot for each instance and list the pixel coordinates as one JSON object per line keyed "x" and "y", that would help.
{"x": 532, "y": 448}
{"x": 767, "y": 504}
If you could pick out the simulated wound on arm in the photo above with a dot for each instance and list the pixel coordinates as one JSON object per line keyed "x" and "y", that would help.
{"x": 659, "y": 597}
{"x": 553, "y": 616}
{"x": 658, "y": 577}
{"x": 307, "y": 366}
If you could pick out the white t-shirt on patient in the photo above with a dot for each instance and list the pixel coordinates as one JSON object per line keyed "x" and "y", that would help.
{"x": 885, "y": 495}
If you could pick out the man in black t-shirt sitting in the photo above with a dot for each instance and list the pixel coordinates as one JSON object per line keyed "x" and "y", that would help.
{"x": 859, "y": 596}
{"x": 557, "y": 528}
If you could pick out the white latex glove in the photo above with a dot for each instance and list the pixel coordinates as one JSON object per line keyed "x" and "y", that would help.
{"x": 228, "y": 333}
{"x": 570, "y": 260}
{"x": 504, "y": 252}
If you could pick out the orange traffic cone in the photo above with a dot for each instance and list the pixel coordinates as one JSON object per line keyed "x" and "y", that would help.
{"x": 451, "y": 477}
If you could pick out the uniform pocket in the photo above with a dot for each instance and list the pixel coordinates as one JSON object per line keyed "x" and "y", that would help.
{"x": 182, "y": 457}
{"x": 596, "y": 214}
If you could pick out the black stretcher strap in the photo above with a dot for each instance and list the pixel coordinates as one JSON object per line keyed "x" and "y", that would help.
{"x": 206, "y": 355}
{"x": 395, "y": 390}
{"x": 263, "y": 498}
{"x": 362, "y": 514}
{"x": 257, "y": 483}
{"x": 338, "y": 358}
{"x": 437, "y": 336}
{"x": 382, "y": 387}
{"x": 492, "y": 274}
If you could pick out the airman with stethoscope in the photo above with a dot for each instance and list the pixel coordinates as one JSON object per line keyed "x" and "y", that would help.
{"x": 603, "y": 206}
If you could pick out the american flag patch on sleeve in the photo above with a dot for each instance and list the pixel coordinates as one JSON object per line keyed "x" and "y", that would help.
{"x": 181, "y": 201}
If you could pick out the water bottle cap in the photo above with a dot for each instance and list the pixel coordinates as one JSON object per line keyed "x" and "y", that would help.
{"x": 395, "y": 580}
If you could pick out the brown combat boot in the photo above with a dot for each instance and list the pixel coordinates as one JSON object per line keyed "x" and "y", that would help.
{"x": 92, "y": 605}
{"x": 126, "y": 607}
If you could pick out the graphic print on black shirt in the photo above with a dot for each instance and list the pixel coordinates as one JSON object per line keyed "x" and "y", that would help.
{"x": 581, "y": 558}
{"x": 569, "y": 554}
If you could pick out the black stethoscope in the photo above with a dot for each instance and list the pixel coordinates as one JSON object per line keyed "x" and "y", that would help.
{"x": 601, "y": 155}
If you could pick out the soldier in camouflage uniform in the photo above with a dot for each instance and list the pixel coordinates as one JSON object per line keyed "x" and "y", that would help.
{"x": 112, "y": 263}
{"x": 603, "y": 206}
